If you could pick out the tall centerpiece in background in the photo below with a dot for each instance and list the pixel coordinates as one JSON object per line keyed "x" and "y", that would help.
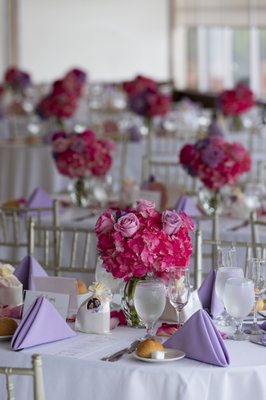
{"x": 145, "y": 99}
{"x": 62, "y": 101}
{"x": 216, "y": 163}
{"x": 139, "y": 241}
{"x": 233, "y": 103}
{"x": 15, "y": 84}
{"x": 81, "y": 156}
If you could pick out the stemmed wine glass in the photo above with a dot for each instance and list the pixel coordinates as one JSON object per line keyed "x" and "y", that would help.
{"x": 227, "y": 257}
{"x": 222, "y": 275}
{"x": 256, "y": 271}
{"x": 239, "y": 299}
{"x": 149, "y": 301}
{"x": 179, "y": 290}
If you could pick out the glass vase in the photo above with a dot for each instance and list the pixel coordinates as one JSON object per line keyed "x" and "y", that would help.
{"x": 235, "y": 123}
{"x": 127, "y": 303}
{"x": 209, "y": 201}
{"x": 79, "y": 195}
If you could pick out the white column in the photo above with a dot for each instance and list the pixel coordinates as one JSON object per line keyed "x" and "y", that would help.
{"x": 254, "y": 55}
{"x": 180, "y": 57}
{"x": 202, "y": 59}
{"x": 228, "y": 58}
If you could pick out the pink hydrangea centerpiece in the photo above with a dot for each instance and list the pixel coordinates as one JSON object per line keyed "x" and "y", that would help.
{"x": 145, "y": 98}
{"x": 215, "y": 161}
{"x": 81, "y": 154}
{"x": 141, "y": 240}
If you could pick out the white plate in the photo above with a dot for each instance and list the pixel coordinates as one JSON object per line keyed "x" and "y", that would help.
{"x": 169, "y": 355}
{"x": 5, "y": 338}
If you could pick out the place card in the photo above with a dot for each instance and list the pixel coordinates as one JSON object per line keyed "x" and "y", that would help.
{"x": 60, "y": 301}
{"x": 58, "y": 284}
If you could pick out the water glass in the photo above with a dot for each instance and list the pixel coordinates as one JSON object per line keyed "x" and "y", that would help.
{"x": 239, "y": 299}
{"x": 149, "y": 302}
{"x": 226, "y": 257}
{"x": 179, "y": 291}
{"x": 222, "y": 275}
{"x": 256, "y": 271}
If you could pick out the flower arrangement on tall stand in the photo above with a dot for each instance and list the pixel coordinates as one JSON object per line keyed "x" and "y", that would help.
{"x": 81, "y": 156}
{"x": 234, "y": 102}
{"x": 62, "y": 101}
{"x": 15, "y": 85}
{"x": 146, "y": 100}
{"x": 140, "y": 241}
{"x": 216, "y": 163}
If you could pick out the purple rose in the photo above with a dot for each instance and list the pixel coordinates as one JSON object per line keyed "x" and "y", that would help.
{"x": 127, "y": 225}
{"x": 212, "y": 155}
{"x": 171, "y": 222}
{"x": 145, "y": 205}
{"x": 104, "y": 223}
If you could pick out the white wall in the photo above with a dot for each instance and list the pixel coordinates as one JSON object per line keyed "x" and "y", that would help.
{"x": 111, "y": 39}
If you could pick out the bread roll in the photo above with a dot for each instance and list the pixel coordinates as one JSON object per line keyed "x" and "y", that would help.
{"x": 81, "y": 287}
{"x": 148, "y": 346}
{"x": 7, "y": 326}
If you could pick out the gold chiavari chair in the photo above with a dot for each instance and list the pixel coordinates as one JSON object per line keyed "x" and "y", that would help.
{"x": 200, "y": 254}
{"x": 14, "y": 229}
{"x": 244, "y": 250}
{"x": 63, "y": 249}
{"x": 171, "y": 173}
{"x": 35, "y": 371}
{"x": 255, "y": 225}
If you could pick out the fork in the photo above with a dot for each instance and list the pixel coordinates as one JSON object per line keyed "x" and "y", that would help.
{"x": 127, "y": 350}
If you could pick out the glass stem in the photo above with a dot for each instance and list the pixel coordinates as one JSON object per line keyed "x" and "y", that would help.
{"x": 177, "y": 316}
{"x": 149, "y": 329}
{"x": 255, "y": 313}
{"x": 238, "y": 326}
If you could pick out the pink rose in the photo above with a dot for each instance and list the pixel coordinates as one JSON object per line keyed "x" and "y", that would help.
{"x": 104, "y": 223}
{"x": 145, "y": 205}
{"x": 171, "y": 222}
{"x": 188, "y": 222}
{"x": 127, "y": 225}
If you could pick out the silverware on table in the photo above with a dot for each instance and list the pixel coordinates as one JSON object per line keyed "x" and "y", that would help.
{"x": 127, "y": 350}
{"x": 239, "y": 226}
{"x": 258, "y": 342}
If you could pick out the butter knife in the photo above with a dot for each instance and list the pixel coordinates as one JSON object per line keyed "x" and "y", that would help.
{"x": 127, "y": 350}
{"x": 258, "y": 342}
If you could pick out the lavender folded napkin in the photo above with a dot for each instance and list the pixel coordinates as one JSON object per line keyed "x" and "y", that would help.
{"x": 41, "y": 324}
{"x": 26, "y": 270}
{"x": 200, "y": 340}
{"x": 208, "y": 296}
{"x": 186, "y": 204}
{"x": 263, "y": 326}
{"x": 39, "y": 198}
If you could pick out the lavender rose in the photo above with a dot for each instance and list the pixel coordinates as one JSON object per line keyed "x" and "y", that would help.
{"x": 145, "y": 205}
{"x": 127, "y": 225}
{"x": 171, "y": 222}
{"x": 104, "y": 223}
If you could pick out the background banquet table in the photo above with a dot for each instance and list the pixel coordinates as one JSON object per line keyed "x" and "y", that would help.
{"x": 24, "y": 167}
{"x": 73, "y": 370}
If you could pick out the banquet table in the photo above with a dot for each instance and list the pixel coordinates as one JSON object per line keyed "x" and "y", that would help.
{"x": 24, "y": 167}
{"x": 73, "y": 370}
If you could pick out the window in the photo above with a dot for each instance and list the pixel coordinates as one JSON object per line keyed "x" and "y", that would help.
{"x": 225, "y": 42}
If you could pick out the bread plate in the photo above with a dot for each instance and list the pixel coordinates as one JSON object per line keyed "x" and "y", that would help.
{"x": 169, "y": 355}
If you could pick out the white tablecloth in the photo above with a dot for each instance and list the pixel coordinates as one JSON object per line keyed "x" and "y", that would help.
{"x": 73, "y": 370}
{"x": 25, "y": 167}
